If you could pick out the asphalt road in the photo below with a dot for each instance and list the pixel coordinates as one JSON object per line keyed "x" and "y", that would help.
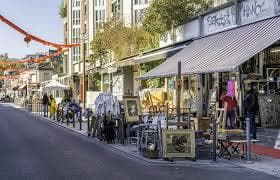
{"x": 34, "y": 149}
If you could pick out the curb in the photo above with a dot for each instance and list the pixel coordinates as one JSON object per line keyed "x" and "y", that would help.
{"x": 110, "y": 147}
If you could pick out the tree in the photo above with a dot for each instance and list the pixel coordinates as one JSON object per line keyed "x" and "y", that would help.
{"x": 117, "y": 41}
{"x": 163, "y": 15}
{"x": 63, "y": 10}
{"x": 58, "y": 67}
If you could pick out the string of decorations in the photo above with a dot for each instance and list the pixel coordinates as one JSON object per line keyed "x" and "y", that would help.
{"x": 7, "y": 65}
{"x": 29, "y": 37}
{"x": 61, "y": 48}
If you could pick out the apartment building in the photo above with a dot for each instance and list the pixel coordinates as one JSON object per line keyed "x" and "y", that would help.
{"x": 219, "y": 2}
{"x": 138, "y": 10}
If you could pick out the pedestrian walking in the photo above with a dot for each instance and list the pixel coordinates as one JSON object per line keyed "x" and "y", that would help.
{"x": 52, "y": 107}
{"x": 251, "y": 108}
{"x": 45, "y": 104}
{"x": 231, "y": 108}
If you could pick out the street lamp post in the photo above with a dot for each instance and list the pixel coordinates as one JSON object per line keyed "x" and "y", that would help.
{"x": 84, "y": 68}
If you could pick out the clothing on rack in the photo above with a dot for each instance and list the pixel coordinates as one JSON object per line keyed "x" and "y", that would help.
{"x": 105, "y": 103}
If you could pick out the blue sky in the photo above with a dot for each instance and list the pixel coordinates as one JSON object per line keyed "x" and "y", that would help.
{"x": 38, "y": 17}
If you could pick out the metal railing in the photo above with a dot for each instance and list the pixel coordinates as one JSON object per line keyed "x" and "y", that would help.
{"x": 61, "y": 114}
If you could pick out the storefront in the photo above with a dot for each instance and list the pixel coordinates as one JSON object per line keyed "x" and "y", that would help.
{"x": 243, "y": 57}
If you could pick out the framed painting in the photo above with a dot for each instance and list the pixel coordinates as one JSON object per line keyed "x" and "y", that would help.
{"x": 178, "y": 143}
{"x": 132, "y": 108}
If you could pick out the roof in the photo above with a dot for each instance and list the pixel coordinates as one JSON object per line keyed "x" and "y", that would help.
{"x": 154, "y": 54}
{"x": 221, "y": 52}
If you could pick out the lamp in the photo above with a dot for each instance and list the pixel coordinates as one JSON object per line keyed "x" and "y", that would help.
{"x": 270, "y": 79}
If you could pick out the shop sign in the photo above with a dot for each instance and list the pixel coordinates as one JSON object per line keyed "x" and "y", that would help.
{"x": 231, "y": 88}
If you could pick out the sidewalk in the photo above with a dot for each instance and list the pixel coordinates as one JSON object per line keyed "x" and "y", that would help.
{"x": 263, "y": 164}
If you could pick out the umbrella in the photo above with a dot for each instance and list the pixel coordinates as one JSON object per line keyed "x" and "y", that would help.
{"x": 55, "y": 85}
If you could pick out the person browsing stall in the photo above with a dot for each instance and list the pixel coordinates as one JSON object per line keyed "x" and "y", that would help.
{"x": 230, "y": 109}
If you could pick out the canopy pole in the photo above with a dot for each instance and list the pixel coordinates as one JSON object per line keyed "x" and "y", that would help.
{"x": 178, "y": 92}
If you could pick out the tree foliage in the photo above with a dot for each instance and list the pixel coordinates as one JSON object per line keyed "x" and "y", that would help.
{"x": 120, "y": 41}
{"x": 155, "y": 82}
{"x": 163, "y": 15}
{"x": 58, "y": 67}
{"x": 62, "y": 10}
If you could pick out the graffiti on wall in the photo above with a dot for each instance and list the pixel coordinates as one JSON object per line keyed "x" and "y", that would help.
{"x": 253, "y": 10}
{"x": 219, "y": 20}
{"x": 277, "y": 7}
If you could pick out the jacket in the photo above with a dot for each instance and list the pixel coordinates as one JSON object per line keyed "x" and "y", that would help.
{"x": 45, "y": 100}
{"x": 251, "y": 103}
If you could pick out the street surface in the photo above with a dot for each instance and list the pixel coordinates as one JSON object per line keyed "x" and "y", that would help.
{"x": 34, "y": 149}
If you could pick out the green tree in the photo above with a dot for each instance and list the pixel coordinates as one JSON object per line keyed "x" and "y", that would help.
{"x": 117, "y": 41}
{"x": 58, "y": 67}
{"x": 163, "y": 15}
{"x": 62, "y": 10}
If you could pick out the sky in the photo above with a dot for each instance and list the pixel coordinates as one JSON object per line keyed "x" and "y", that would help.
{"x": 37, "y": 17}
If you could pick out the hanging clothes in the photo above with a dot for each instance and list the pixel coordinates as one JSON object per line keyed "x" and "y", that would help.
{"x": 105, "y": 103}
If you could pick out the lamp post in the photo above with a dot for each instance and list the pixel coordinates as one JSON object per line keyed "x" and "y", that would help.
{"x": 84, "y": 37}
{"x": 28, "y": 86}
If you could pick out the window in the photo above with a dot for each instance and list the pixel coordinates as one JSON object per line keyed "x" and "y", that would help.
{"x": 46, "y": 76}
{"x": 99, "y": 18}
{"x": 76, "y": 3}
{"x": 141, "y": 2}
{"x": 76, "y": 54}
{"x": 76, "y": 35}
{"x": 99, "y": 3}
{"x": 85, "y": 28}
{"x": 274, "y": 55}
{"x": 76, "y": 17}
{"x": 85, "y": 9}
{"x": 138, "y": 15}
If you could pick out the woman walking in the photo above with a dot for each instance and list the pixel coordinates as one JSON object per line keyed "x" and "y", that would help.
{"x": 52, "y": 108}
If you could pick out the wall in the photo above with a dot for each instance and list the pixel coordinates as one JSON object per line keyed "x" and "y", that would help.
{"x": 227, "y": 17}
{"x": 220, "y": 20}
{"x": 118, "y": 85}
{"x": 254, "y": 10}
{"x": 41, "y": 75}
{"x": 126, "y": 12}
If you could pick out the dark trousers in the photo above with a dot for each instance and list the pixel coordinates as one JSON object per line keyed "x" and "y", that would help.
{"x": 45, "y": 109}
{"x": 253, "y": 128}
{"x": 231, "y": 117}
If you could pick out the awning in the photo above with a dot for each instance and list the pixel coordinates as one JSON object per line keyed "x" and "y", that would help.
{"x": 160, "y": 53}
{"x": 22, "y": 87}
{"x": 221, "y": 52}
{"x": 55, "y": 85}
{"x": 153, "y": 55}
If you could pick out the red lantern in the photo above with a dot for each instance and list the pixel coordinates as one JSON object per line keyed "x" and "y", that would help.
{"x": 27, "y": 39}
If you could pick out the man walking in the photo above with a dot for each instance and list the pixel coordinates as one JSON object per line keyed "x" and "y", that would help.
{"x": 45, "y": 104}
{"x": 251, "y": 108}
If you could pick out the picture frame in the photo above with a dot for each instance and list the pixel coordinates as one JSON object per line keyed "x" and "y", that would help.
{"x": 132, "y": 108}
{"x": 178, "y": 143}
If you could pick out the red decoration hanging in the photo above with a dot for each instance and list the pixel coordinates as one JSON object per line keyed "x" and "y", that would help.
{"x": 27, "y": 39}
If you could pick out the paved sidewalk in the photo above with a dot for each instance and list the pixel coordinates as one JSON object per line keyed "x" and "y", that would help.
{"x": 263, "y": 164}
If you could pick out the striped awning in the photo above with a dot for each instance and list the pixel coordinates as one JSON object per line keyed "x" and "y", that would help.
{"x": 221, "y": 52}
